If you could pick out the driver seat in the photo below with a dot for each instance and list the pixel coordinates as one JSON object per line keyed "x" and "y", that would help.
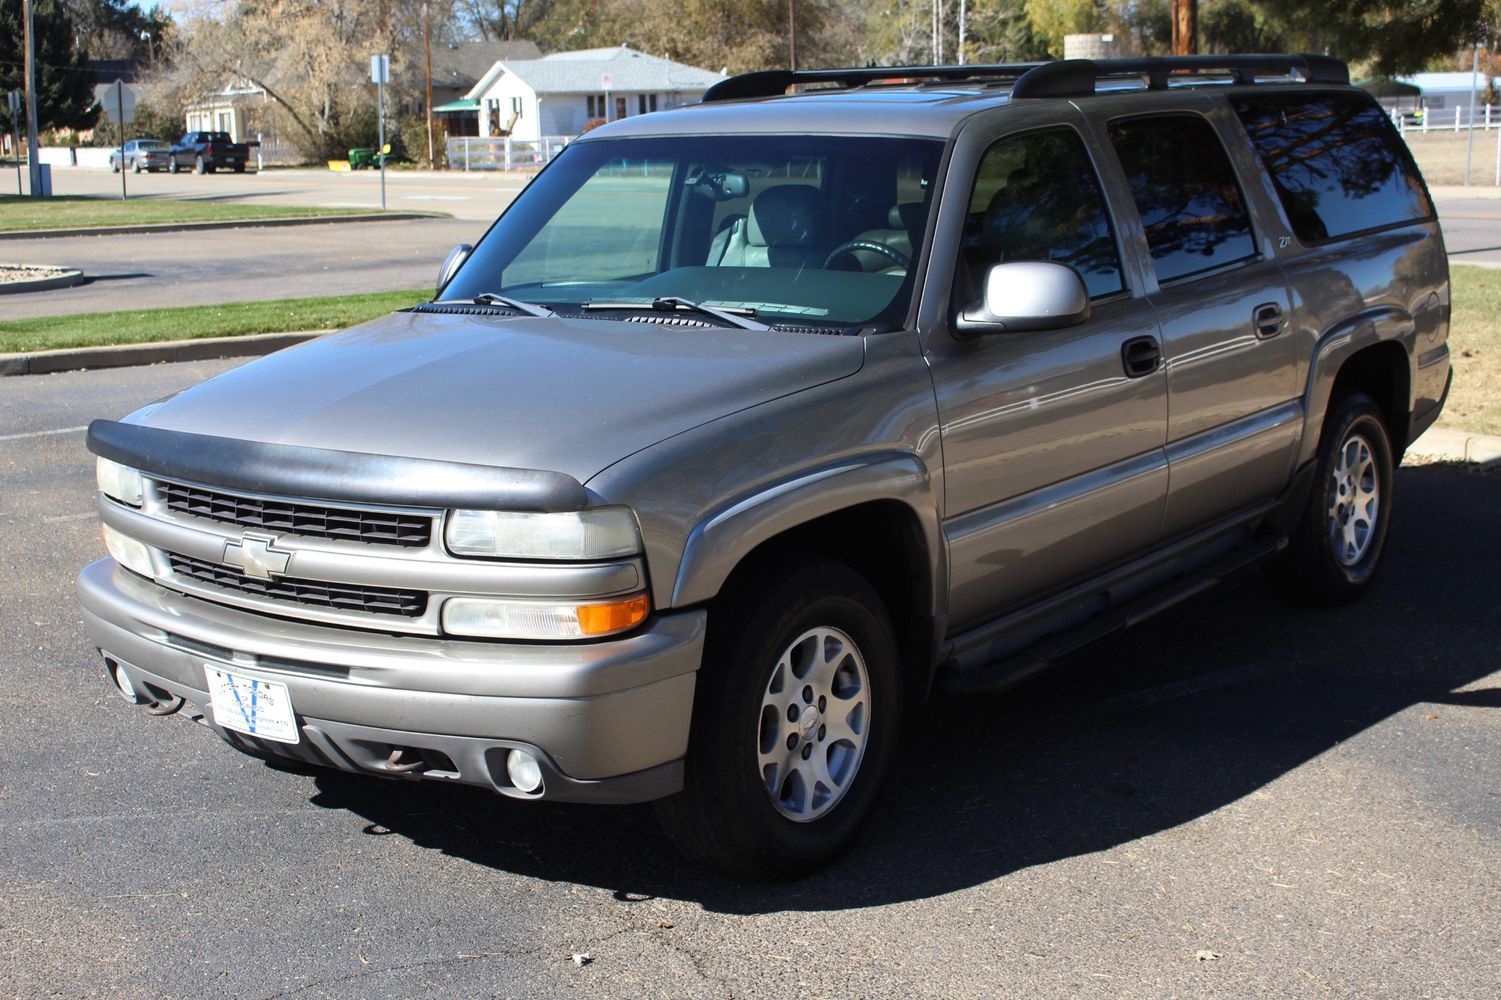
{"x": 904, "y": 231}
{"x": 783, "y": 229}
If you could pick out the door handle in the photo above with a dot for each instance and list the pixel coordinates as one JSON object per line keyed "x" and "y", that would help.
{"x": 1141, "y": 356}
{"x": 1267, "y": 319}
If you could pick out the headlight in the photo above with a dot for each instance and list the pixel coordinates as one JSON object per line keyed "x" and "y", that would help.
{"x": 514, "y": 619}
{"x": 597, "y": 533}
{"x": 127, "y": 551}
{"x": 119, "y": 482}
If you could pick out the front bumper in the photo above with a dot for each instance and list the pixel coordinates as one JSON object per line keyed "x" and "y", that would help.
{"x": 607, "y": 721}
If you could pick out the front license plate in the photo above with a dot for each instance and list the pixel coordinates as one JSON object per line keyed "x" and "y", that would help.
{"x": 250, "y": 705}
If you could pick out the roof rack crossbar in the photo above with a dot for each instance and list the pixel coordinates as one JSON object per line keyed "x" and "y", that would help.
{"x": 1063, "y": 78}
{"x": 1078, "y": 77}
{"x": 774, "y": 82}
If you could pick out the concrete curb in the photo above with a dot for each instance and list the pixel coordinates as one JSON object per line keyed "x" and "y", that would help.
{"x": 128, "y": 355}
{"x": 193, "y": 227}
{"x": 67, "y": 279}
{"x": 1449, "y": 445}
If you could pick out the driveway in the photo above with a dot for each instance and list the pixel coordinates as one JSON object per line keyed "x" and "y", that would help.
{"x": 1238, "y": 798}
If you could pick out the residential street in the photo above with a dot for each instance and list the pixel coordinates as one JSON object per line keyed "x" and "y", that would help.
{"x": 1237, "y": 799}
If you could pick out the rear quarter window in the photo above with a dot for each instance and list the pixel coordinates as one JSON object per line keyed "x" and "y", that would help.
{"x": 1338, "y": 164}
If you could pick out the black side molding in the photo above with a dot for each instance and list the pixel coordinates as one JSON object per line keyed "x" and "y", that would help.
{"x": 322, "y": 474}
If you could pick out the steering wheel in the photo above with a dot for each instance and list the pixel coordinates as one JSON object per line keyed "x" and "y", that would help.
{"x": 890, "y": 253}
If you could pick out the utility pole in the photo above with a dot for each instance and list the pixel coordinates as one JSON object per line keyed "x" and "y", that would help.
{"x": 33, "y": 153}
{"x": 1185, "y": 27}
{"x": 427, "y": 59}
{"x": 792, "y": 34}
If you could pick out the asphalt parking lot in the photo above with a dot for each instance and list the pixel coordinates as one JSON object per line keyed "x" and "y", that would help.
{"x": 1237, "y": 799}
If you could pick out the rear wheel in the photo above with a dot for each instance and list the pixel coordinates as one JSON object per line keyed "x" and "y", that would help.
{"x": 199, "y": 166}
{"x": 1335, "y": 552}
{"x": 795, "y": 717}
{"x": 135, "y": 167}
{"x": 114, "y": 166}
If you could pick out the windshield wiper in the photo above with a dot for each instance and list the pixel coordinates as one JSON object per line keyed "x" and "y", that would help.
{"x": 492, "y": 299}
{"x": 673, "y": 303}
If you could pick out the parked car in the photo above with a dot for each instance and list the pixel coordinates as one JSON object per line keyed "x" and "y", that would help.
{"x": 749, "y": 424}
{"x": 205, "y": 152}
{"x": 141, "y": 154}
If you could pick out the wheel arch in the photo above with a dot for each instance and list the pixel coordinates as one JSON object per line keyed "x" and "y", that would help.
{"x": 1370, "y": 353}
{"x": 878, "y": 516}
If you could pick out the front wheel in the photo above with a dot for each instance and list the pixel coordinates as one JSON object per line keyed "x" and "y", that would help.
{"x": 795, "y": 717}
{"x": 172, "y": 167}
{"x": 1333, "y": 555}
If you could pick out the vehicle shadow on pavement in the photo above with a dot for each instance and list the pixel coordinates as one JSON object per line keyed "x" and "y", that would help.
{"x": 1165, "y": 724}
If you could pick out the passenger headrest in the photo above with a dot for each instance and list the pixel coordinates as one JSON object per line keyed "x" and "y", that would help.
{"x": 785, "y": 216}
{"x": 908, "y": 215}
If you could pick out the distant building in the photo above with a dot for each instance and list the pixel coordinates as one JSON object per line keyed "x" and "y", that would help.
{"x": 457, "y": 67}
{"x": 1447, "y": 91}
{"x": 558, "y": 94}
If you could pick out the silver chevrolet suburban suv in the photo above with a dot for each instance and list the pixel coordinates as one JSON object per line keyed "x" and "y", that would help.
{"x": 749, "y": 424}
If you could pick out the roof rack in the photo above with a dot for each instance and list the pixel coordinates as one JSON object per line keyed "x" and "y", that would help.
{"x": 774, "y": 82}
{"x": 1064, "y": 78}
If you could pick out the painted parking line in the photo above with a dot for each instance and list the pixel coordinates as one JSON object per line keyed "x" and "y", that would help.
{"x": 37, "y": 434}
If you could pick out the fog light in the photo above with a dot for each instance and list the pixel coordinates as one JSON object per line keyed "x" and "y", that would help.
{"x": 524, "y": 771}
{"x": 126, "y": 689}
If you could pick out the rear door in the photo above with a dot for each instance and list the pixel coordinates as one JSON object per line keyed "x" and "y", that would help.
{"x": 1052, "y": 449}
{"x": 1234, "y": 415}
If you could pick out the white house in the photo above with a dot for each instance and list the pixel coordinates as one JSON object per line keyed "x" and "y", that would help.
{"x": 1447, "y": 91}
{"x": 558, "y": 94}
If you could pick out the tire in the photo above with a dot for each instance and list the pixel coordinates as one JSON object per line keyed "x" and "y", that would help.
{"x": 172, "y": 166}
{"x": 114, "y": 167}
{"x": 1336, "y": 549}
{"x": 794, "y": 629}
{"x": 199, "y": 166}
{"x": 135, "y": 167}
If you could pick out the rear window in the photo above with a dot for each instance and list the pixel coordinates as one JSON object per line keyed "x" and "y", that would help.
{"x": 1339, "y": 166}
{"x": 216, "y": 137}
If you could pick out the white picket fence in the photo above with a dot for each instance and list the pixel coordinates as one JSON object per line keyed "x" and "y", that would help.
{"x": 503, "y": 153}
{"x": 1442, "y": 120}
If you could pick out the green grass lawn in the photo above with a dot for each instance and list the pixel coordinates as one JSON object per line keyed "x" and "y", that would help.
{"x": 1475, "y": 351}
{"x": 141, "y": 326}
{"x": 19, "y": 214}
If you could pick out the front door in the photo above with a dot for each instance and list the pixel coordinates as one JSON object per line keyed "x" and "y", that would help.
{"x": 1052, "y": 450}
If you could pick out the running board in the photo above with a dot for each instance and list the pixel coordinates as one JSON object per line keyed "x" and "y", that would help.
{"x": 999, "y": 674}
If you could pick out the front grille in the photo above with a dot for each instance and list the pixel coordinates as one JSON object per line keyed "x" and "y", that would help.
{"x": 314, "y": 520}
{"x": 316, "y": 593}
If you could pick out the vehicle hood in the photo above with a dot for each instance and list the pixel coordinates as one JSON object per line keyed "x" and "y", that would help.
{"x": 565, "y": 395}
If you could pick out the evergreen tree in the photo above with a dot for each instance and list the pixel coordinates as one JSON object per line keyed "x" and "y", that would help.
{"x": 64, "y": 89}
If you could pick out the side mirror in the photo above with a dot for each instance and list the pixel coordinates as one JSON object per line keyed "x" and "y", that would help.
{"x": 1027, "y": 295}
{"x": 452, "y": 263}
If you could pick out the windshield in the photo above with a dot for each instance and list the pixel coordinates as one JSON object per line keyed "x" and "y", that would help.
{"x": 788, "y": 229}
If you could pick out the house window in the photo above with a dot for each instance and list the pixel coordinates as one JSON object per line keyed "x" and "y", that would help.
{"x": 516, "y": 106}
{"x": 645, "y": 103}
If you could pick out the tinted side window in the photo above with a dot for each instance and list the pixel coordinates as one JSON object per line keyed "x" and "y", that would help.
{"x": 1186, "y": 192}
{"x": 1036, "y": 197}
{"x": 1338, "y": 164}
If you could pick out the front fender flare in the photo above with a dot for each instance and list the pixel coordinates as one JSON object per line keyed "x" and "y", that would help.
{"x": 732, "y": 530}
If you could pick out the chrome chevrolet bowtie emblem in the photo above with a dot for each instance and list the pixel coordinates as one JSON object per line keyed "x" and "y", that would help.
{"x": 255, "y": 556}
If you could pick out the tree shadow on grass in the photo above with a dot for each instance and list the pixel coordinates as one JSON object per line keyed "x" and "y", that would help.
{"x": 1165, "y": 724}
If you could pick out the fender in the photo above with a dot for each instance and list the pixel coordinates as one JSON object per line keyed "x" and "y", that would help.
{"x": 720, "y": 540}
{"x": 1336, "y": 346}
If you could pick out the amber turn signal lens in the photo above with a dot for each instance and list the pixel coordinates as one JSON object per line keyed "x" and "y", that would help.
{"x": 602, "y": 619}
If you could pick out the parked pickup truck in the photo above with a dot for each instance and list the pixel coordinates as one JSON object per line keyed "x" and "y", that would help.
{"x": 750, "y": 423}
{"x": 205, "y": 152}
